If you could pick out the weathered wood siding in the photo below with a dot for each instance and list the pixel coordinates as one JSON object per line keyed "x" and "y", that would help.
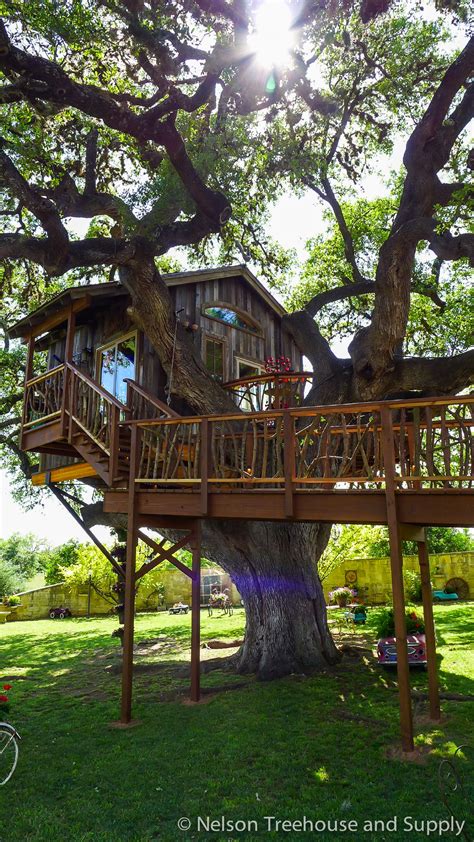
{"x": 103, "y": 324}
{"x": 236, "y": 292}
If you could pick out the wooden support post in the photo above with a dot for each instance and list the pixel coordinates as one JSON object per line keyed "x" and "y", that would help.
{"x": 204, "y": 464}
{"x": 289, "y": 461}
{"x": 129, "y": 600}
{"x": 72, "y": 405}
{"x": 427, "y": 597}
{"x": 71, "y": 329}
{"x": 28, "y": 376}
{"x": 196, "y": 614}
{"x": 68, "y": 352}
{"x": 114, "y": 421}
{"x": 396, "y": 563}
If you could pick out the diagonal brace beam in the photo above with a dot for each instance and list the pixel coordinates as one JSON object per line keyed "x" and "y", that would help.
{"x": 163, "y": 555}
{"x": 60, "y": 496}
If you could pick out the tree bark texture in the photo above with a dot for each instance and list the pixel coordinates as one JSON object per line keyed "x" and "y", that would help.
{"x": 274, "y": 567}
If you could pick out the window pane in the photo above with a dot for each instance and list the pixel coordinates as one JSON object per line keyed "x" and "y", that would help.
{"x": 117, "y": 363}
{"x": 248, "y": 369}
{"x": 107, "y": 369}
{"x": 211, "y": 584}
{"x": 125, "y": 366}
{"x": 250, "y": 397}
{"x": 215, "y": 358}
{"x": 230, "y": 317}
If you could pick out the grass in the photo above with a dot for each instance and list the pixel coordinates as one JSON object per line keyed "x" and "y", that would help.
{"x": 317, "y": 746}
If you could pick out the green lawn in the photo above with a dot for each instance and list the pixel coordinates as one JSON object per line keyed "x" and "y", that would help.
{"x": 320, "y": 747}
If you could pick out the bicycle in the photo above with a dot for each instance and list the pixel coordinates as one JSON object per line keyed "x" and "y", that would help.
{"x": 9, "y": 738}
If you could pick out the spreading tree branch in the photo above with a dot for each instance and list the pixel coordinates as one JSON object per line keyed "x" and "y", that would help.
{"x": 374, "y": 349}
{"x": 40, "y": 206}
{"x": 435, "y": 375}
{"x": 47, "y": 81}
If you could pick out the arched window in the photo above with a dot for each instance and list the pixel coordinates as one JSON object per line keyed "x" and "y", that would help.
{"x": 232, "y": 317}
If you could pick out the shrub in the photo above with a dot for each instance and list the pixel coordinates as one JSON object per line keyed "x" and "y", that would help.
{"x": 385, "y": 623}
{"x": 412, "y": 581}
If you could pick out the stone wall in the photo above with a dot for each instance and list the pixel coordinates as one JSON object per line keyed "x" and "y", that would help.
{"x": 37, "y": 603}
{"x": 373, "y": 577}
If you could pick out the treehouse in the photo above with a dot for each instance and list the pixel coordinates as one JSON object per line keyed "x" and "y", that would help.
{"x": 86, "y": 346}
{"x": 103, "y": 410}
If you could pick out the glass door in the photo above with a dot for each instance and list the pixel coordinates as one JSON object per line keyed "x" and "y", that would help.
{"x": 116, "y": 363}
{"x": 251, "y": 395}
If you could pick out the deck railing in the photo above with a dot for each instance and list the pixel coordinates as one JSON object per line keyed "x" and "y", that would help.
{"x": 43, "y": 398}
{"x": 431, "y": 440}
{"x": 318, "y": 447}
{"x": 141, "y": 404}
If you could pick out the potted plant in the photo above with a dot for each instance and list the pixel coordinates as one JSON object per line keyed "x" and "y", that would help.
{"x": 341, "y": 596}
{"x": 12, "y": 601}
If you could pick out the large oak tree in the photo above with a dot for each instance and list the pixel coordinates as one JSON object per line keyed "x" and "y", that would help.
{"x": 157, "y": 122}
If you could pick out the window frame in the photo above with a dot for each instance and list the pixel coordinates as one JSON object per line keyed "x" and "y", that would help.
{"x": 213, "y": 337}
{"x": 244, "y": 315}
{"x": 239, "y": 358}
{"x": 111, "y": 343}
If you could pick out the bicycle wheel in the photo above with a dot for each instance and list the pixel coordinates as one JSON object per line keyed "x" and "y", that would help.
{"x": 8, "y": 753}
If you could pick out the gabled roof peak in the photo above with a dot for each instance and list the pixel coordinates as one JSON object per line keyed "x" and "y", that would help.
{"x": 99, "y": 292}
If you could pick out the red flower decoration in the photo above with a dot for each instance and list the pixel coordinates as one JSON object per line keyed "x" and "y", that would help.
{"x": 3, "y": 698}
{"x": 7, "y": 687}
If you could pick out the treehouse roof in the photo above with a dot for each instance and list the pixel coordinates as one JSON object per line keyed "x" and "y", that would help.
{"x": 47, "y": 316}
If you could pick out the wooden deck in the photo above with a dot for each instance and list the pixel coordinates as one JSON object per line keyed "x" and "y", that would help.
{"x": 328, "y": 463}
{"x": 424, "y": 508}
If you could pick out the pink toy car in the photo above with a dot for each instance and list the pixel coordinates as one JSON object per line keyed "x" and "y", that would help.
{"x": 60, "y": 612}
{"x": 387, "y": 650}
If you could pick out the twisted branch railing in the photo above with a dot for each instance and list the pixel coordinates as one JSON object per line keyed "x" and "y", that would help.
{"x": 43, "y": 398}
{"x": 302, "y": 447}
{"x": 339, "y": 446}
{"x": 141, "y": 404}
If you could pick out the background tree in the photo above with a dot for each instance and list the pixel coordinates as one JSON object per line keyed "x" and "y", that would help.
{"x": 153, "y": 120}
{"x": 21, "y": 557}
{"x": 60, "y": 558}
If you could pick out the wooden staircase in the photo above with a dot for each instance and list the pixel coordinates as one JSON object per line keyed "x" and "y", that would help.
{"x": 99, "y": 429}
{"x": 100, "y": 460}
{"x": 86, "y": 421}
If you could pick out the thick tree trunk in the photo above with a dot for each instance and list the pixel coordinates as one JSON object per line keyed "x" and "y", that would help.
{"x": 274, "y": 567}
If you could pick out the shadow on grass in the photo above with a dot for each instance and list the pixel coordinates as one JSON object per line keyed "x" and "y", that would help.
{"x": 312, "y": 746}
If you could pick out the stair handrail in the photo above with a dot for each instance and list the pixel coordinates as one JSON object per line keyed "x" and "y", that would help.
{"x": 116, "y": 410}
{"x": 94, "y": 385}
{"x": 166, "y": 410}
